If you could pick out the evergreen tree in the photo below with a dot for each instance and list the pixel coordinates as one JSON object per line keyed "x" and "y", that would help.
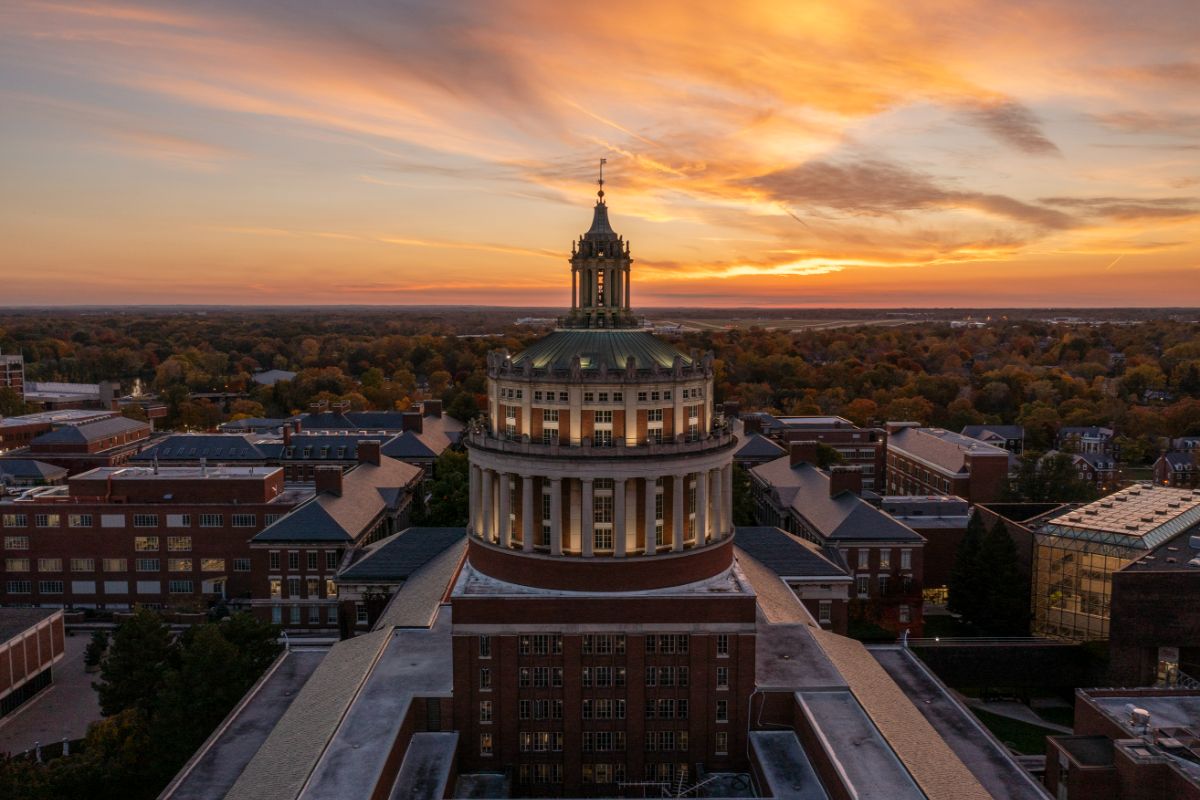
{"x": 743, "y": 498}
{"x": 137, "y": 663}
{"x": 449, "y": 492}
{"x": 965, "y": 576}
{"x": 1006, "y": 597}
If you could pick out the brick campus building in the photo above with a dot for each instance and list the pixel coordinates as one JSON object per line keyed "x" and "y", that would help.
{"x": 597, "y": 630}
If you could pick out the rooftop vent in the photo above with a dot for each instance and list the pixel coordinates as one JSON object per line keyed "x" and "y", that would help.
{"x": 1131, "y": 526}
{"x": 1172, "y": 505}
{"x": 1106, "y": 505}
{"x": 1195, "y": 562}
{"x": 1091, "y": 512}
{"x": 1120, "y": 498}
{"x": 1147, "y": 519}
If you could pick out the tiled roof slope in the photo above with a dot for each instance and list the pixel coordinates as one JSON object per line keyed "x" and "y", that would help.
{"x": 90, "y": 431}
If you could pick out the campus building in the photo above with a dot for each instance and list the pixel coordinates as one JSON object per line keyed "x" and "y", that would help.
{"x": 31, "y": 643}
{"x": 1077, "y": 552}
{"x": 924, "y": 461}
{"x": 12, "y": 373}
{"x": 884, "y": 556}
{"x": 865, "y": 448}
{"x": 596, "y": 630}
{"x": 171, "y": 538}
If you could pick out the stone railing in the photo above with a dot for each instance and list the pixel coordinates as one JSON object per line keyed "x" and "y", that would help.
{"x": 486, "y": 440}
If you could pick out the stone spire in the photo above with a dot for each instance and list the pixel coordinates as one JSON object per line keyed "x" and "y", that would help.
{"x": 600, "y": 273}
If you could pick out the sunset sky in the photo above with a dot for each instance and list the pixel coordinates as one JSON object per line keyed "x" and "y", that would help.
{"x": 859, "y": 152}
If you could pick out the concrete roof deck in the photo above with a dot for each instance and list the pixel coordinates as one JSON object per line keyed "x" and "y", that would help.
{"x": 216, "y": 766}
{"x": 986, "y": 758}
{"x": 425, "y": 772}
{"x": 853, "y": 742}
{"x": 785, "y": 766}
{"x": 471, "y": 583}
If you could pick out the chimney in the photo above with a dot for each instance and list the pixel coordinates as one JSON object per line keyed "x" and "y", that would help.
{"x": 368, "y": 452}
{"x": 411, "y": 421}
{"x": 804, "y": 452}
{"x": 297, "y": 425}
{"x": 844, "y": 478}
{"x": 433, "y": 408}
{"x": 287, "y": 434}
{"x": 328, "y": 479}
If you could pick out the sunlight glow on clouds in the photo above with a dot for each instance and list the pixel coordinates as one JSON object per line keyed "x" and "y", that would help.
{"x": 863, "y": 152}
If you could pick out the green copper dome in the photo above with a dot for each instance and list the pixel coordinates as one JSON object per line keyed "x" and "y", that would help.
{"x": 596, "y": 348}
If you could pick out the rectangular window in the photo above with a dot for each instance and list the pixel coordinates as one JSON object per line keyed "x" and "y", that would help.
{"x": 825, "y": 612}
{"x": 83, "y": 565}
{"x": 145, "y": 544}
{"x": 180, "y": 587}
{"x": 212, "y": 520}
{"x": 721, "y": 742}
{"x": 50, "y": 587}
{"x": 16, "y": 564}
{"x": 179, "y": 544}
{"x": 145, "y": 520}
{"x": 722, "y": 644}
{"x": 20, "y": 587}
{"x": 115, "y": 565}
{"x": 485, "y": 678}
{"x": 885, "y": 558}
{"x": 864, "y": 558}
{"x": 314, "y": 615}
{"x": 273, "y": 559}
{"x": 485, "y": 744}
{"x": 312, "y": 560}
{"x": 485, "y": 710}
{"x": 722, "y": 711}
{"x": 15, "y": 520}
{"x": 47, "y": 520}
{"x": 79, "y": 520}
{"x": 294, "y": 560}
{"x": 244, "y": 520}
{"x": 147, "y": 565}
{"x": 49, "y": 565}
{"x": 883, "y": 585}
{"x": 331, "y": 559}
{"x": 16, "y": 542}
{"x": 293, "y": 614}
{"x": 293, "y": 587}
{"x": 241, "y": 565}
{"x": 179, "y": 520}
{"x": 862, "y": 585}
{"x": 906, "y": 559}
{"x": 179, "y": 565}
{"x": 722, "y": 677}
{"x": 904, "y": 614}
{"x": 212, "y": 565}
{"x": 485, "y": 647}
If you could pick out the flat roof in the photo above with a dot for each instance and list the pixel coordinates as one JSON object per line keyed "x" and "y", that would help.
{"x": 1144, "y": 514}
{"x": 986, "y": 758}
{"x": 471, "y": 582}
{"x": 786, "y": 769}
{"x": 213, "y": 770}
{"x": 425, "y": 771}
{"x": 255, "y": 472}
{"x": 14, "y": 621}
{"x": 65, "y": 416}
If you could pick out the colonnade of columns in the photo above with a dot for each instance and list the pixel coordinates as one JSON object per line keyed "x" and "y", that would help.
{"x": 600, "y": 520}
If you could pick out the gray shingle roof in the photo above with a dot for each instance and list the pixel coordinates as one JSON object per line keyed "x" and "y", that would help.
{"x": 1177, "y": 459}
{"x": 194, "y": 446}
{"x": 28, "y": 468}
{"x": 785, "y": 554}
{"x": 1002, "y": 431}
{"x": 756, "y": 446}
{"x": 395, "y": 558}
{"x": 847, "y": 517}
{"x": 407, "y": 445}
{"x": 90, "y": 431}
{"x": 942, "y": 448}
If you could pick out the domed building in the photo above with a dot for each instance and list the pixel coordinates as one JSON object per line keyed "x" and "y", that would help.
{"x": 603, "y": 632}
{"x": 601, "y": 446}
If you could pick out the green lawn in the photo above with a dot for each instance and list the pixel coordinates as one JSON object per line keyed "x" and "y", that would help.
{"x": 1020, "y": 736}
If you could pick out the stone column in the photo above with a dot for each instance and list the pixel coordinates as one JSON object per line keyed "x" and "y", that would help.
{"x": 587, "y": 519}
{"x": 713, "y": 477}
{"x": 727, "y": 490}
{"x": 574, "y": 288}
{"x": 701, "y": 525}
{"x": 648, "y": 522}
{"x": 487, "y": 487}
{"x": 473, "y": 512}
{"x": 505, "y": 490}
{"x": 527, "y": 513}
{"x": 619, "y": 517}
{"x": 556, "y": 517}
{"x": 626, "y": 284}
{"x": 677, "y": 512}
